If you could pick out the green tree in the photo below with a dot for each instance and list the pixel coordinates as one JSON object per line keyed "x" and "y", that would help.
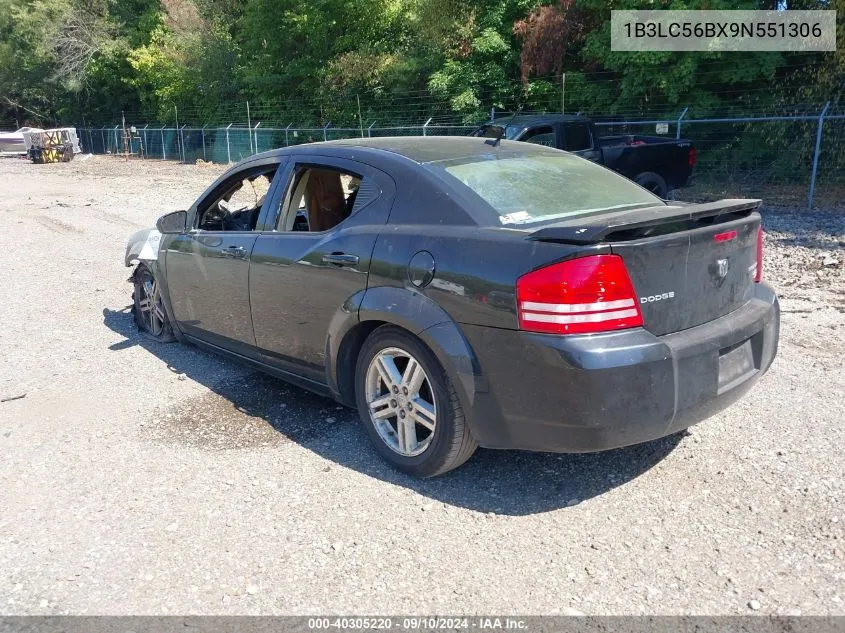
{"x": 652, "y": 81}
{"x": 481, "y": 58}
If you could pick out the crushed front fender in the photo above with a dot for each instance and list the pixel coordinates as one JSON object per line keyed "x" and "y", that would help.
{"x": 142, "y": 246}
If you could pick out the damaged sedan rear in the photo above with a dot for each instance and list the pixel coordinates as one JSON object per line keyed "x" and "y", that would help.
{"x": 463, "y": 292}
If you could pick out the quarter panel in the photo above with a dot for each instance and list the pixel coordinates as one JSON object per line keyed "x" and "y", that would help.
{"x": 476, "y": 268}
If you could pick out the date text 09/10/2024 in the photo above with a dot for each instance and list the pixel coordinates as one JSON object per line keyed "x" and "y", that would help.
{"x": 417, "y": 623}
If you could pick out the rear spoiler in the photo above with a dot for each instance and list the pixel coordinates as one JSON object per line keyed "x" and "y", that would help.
{"x": 642, "y": 222}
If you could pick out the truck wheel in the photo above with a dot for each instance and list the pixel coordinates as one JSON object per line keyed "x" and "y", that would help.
{"x": 653, "y": 182}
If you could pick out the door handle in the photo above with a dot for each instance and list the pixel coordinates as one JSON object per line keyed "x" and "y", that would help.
{"x": 340, "y": 259}
{"x": 233, "y": 251}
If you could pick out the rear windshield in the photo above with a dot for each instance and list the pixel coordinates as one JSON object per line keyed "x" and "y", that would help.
{"x": 542, "y": 187}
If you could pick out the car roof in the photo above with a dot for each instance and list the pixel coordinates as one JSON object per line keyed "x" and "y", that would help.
{"x": 425, "y": 149}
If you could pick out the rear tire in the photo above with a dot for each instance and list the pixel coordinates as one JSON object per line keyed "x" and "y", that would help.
{"x": 653, "y": 182}
{"x": 403, "y": 392}
{"x": 148, "y": 306}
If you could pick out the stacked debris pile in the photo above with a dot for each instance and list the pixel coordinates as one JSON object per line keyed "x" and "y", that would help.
{"x": 52, "y": 146}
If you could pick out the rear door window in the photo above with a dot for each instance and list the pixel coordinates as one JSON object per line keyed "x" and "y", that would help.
{"x": 320, "y": 197}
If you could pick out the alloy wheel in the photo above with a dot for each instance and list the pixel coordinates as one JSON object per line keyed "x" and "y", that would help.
{"x": 151, "y": 306}
{"x": 400, "y": 401}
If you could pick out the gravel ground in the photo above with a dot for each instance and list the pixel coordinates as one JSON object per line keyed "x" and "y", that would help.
{"x": 146, "y": 478}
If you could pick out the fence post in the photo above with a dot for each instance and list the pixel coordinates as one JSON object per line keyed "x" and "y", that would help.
{"x": 182, "y": 138}
{"x": 286, "y": 134}
{"x": 176, "y": 110}
{"x": 425, "y": 125}
{"x": 369, "y": 130}
{"x": 103, "y": 137}
{"x": 228, "y": 148}
{"x": 492, "y": 113}
{"x": 680, "y": 118}
{"x": 325, "y": 135}
{"x": 249, "y": 128}
{"x": 816, "y": 155}
{"x": 116, "y": 143}
{"x": 146, "y": 147}
{"x": 163, "y": 150}
{"x": 255, "y": 135}
{"x": 203, "y": 142}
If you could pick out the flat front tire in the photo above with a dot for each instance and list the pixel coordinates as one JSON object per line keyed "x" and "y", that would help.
{"x": 148, "y": 306}
{"x": 409, "y": 407}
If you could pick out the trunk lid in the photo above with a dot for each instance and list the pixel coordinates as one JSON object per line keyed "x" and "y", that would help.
{"x": 689, "y": 264}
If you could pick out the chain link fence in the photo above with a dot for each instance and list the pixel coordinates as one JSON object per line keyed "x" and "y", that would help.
{"x": 791, "y": 159}
{"x": 234, "y": 142}
{"x": 788, "y": 159}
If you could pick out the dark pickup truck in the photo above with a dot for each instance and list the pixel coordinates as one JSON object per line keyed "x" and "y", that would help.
{"x": 658, "y": 164}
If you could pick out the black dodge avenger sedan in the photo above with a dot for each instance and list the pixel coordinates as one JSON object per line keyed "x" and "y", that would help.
{"x": 465, "y": 292}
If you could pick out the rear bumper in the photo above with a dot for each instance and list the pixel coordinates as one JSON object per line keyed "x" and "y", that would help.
{"x": 596, "y": 392}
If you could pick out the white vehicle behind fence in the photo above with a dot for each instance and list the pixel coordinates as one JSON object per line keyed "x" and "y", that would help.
{"x": 13, "y": 143}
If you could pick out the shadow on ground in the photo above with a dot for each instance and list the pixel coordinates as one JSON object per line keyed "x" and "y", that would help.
{"x": 248, "y": 409}
{"x": 815, "y": 242}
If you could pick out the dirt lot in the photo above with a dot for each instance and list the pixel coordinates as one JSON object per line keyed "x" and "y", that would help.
{"x": 145, "y": 478}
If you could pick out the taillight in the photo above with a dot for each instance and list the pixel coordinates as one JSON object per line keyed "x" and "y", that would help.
{"x": 758, "y": 274}
{"x": 578, "y": 296}
{"x": 691, "y": 157}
